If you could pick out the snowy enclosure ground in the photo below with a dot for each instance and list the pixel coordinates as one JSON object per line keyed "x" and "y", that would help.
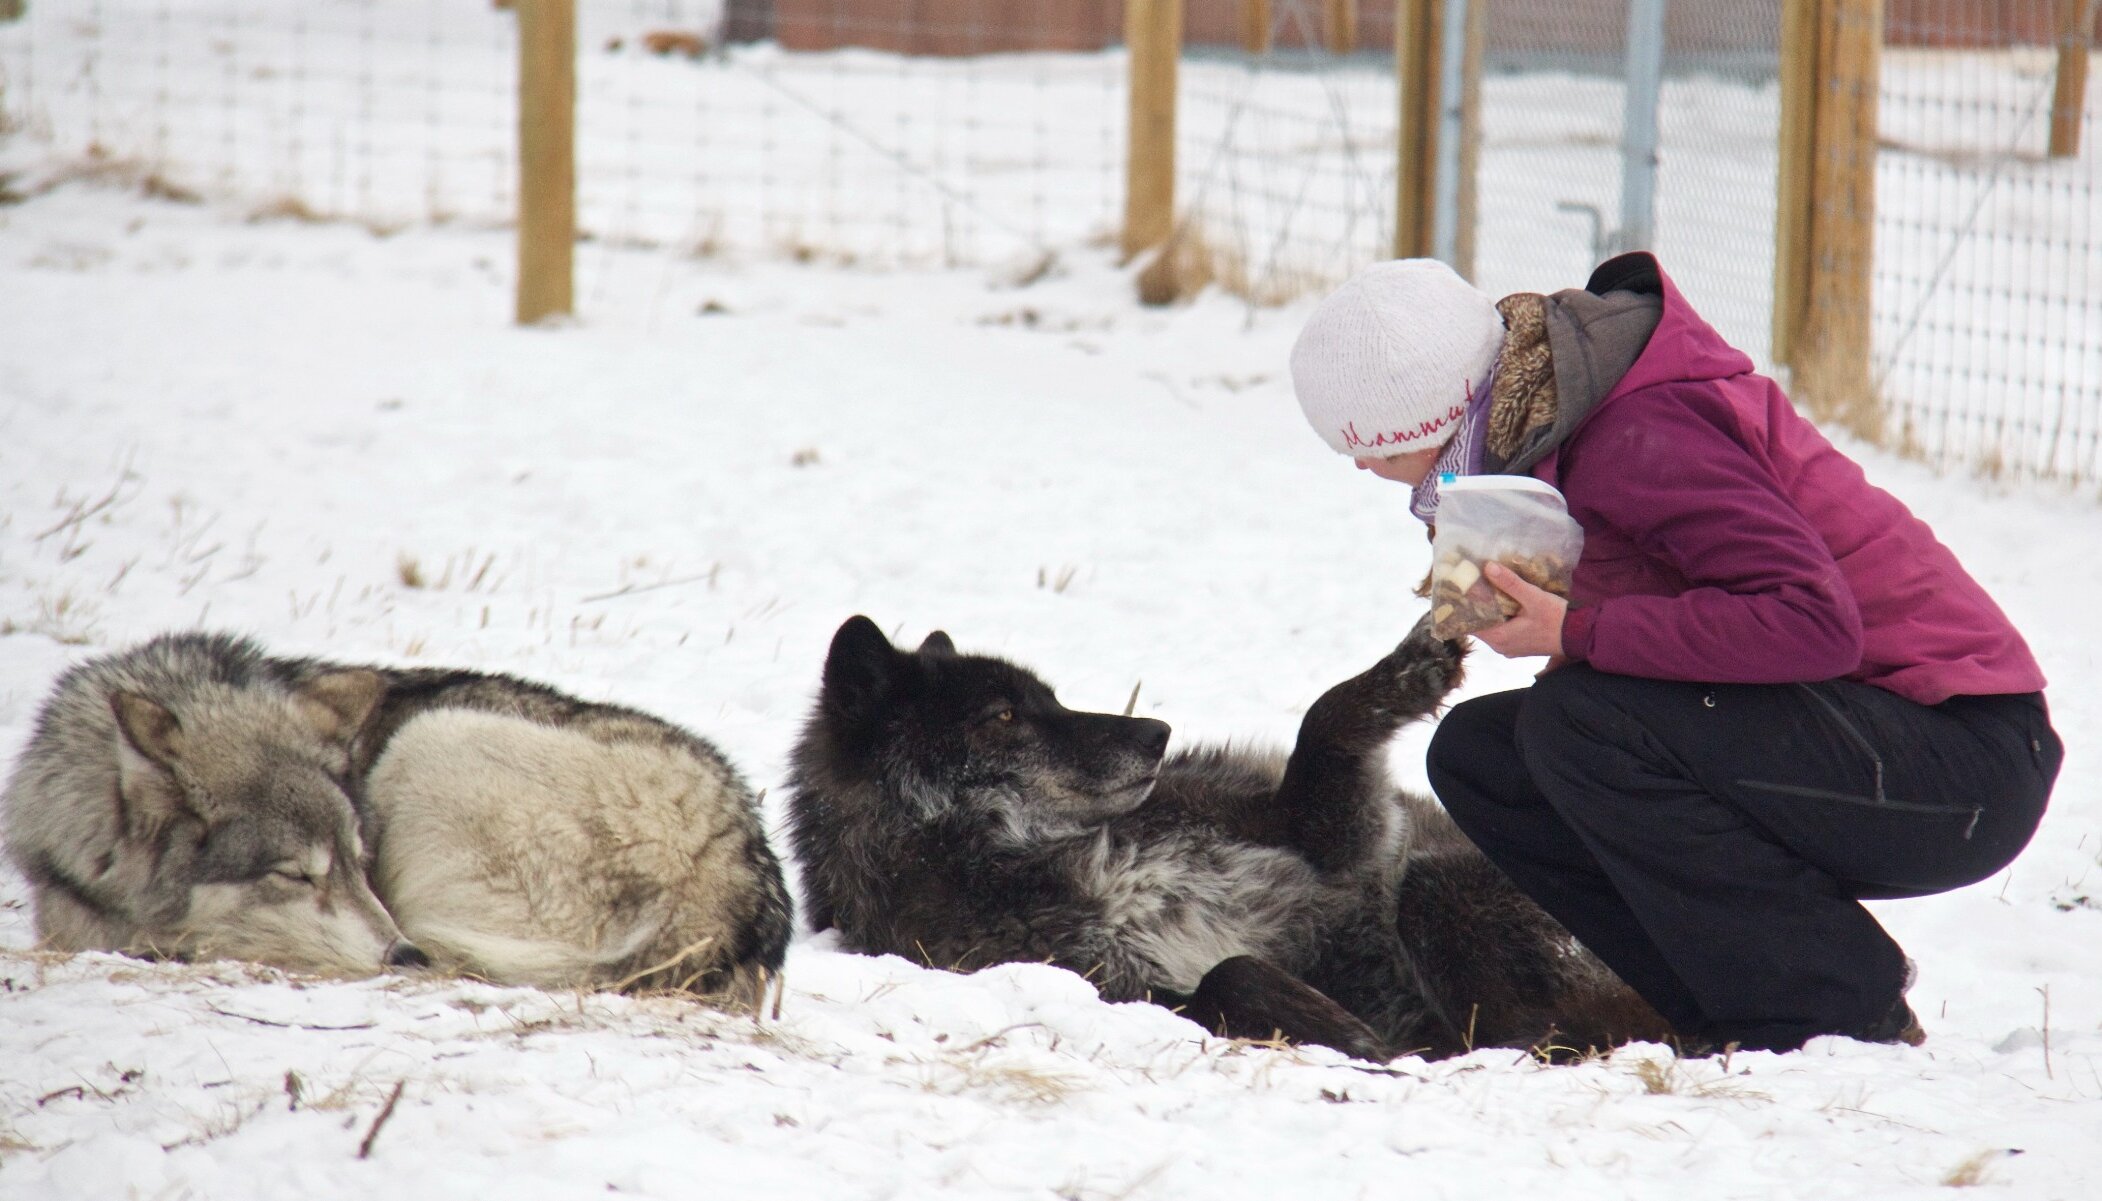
{"x": 270, "y": 426}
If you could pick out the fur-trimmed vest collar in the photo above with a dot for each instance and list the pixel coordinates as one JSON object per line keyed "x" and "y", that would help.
{"x": 1562, "y": 355}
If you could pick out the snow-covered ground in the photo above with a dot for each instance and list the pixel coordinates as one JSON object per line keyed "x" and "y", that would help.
{"x": 272, "y": 426}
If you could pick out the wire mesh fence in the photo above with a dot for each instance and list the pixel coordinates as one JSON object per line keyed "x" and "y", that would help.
{"x": 1988, "y": 315}
{"x": 1288, "y": 150}
{"x": 396, "y": 111}
{"x": 1290, "y": 155}
{"x": 918, "y": 132}
{"x": 948, "y": 134}
{"x": 387, "y": 113}
{"x": 1556, "y": 117}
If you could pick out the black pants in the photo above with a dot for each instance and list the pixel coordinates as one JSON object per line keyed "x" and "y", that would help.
{"x": 1712, "y": 842}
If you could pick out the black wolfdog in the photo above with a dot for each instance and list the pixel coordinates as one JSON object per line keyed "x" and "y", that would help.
{"x": 945, "y": 807}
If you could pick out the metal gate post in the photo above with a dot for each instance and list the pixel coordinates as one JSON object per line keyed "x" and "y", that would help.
{"x": 1638, "y": 125}
{"x": 1452, "y": 117}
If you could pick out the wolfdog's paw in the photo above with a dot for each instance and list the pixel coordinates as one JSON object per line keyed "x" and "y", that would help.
{"x": 1423, "y": 669}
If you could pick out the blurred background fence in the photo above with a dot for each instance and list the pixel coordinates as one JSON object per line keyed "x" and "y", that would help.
{"x": 946, "y": 132}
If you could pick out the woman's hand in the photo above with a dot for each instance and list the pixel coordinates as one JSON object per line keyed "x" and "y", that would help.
{"x": 1537, "y": 627}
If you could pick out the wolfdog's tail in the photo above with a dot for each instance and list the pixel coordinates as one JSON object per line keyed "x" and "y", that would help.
{"x": 551, "y": 963}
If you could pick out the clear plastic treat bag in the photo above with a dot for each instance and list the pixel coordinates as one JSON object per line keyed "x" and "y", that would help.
{"x": 1515, "y": 520}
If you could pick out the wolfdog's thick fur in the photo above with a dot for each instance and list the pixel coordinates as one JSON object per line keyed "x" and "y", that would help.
{"x": 946, "y": 808}
{"x": 532, "y": 837}
{"x": 192, "y": 797}
{"x": 196, "y": 797}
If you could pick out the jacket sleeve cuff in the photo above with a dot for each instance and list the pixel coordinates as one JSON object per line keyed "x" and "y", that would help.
{"x": 1576, "y": 632}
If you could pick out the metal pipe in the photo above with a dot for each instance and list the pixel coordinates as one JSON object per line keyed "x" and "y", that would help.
{"x": 1452, "y": 112}
{"x": 1638, "y": 125}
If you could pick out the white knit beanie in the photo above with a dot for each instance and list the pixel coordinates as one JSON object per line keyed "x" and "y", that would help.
{"x": 1388, "y": 361}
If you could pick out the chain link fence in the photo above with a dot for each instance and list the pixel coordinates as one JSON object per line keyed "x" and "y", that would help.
{"x": 944, "y": 132}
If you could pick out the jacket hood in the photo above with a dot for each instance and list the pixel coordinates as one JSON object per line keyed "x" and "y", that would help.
{"x": 1682, "y": 348}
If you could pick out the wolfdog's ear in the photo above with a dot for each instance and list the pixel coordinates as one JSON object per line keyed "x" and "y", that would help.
{"x": 150, "y": 741}
{"x": 148, "y": 727}
{"x": 858, "y": 669}
{"x": 338, "y": 704}
{"x": 938, "y": 643}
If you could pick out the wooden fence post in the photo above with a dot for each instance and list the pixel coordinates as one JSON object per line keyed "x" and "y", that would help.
{"x": 1420, "y": 75}
{"x": 1153, "y": 38}
{"x": 547, "y": 178}
{"x": 2076, "y": 37}
{"x": 1255, "y": 26}
{"x": 1798, "y": 82}
{"x": 1824, "y": 256}
{"x": 1468, "y": 209}
{"x": 1341, "y": 26}
{"x": 1416, "y": 59}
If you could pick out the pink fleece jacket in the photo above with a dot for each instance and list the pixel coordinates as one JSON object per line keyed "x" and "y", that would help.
{"x": 1727, "y": 541}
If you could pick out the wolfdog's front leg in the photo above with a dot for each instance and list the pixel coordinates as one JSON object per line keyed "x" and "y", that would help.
{"x": 1335, "y": 792}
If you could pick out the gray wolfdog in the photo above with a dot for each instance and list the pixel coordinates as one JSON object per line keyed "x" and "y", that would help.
{"x": 945, "y": 807}
{"x": 194, "y": 797}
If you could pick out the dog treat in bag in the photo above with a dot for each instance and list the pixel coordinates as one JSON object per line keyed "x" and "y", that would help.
{"x": 1515, "y": 520}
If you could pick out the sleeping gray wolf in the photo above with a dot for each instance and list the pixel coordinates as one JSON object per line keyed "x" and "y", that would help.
{"x": 947, "y": 808}
{"x": 194, "y": 797}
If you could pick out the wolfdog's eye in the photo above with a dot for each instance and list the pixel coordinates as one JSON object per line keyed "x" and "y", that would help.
{"x": 292, "y": 873}
{"x": 1004, "y": 715}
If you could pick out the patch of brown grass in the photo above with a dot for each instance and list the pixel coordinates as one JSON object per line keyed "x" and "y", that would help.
{"x": 101, "y": 168}
{"x": 1834, "y": 385}
{"x": 1971, "y": 1172}
{"x": 63, "y": 617}
{"x": 1190, "y": 262}
{"x": 1672, "y": 1078}
{"x": 1020, "y": 1084}
{"x": 12, "y": 1142}
{"x": 286, "y": 208}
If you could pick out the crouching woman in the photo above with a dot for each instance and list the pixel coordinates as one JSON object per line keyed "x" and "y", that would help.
{"x": 1772, "y": 692}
